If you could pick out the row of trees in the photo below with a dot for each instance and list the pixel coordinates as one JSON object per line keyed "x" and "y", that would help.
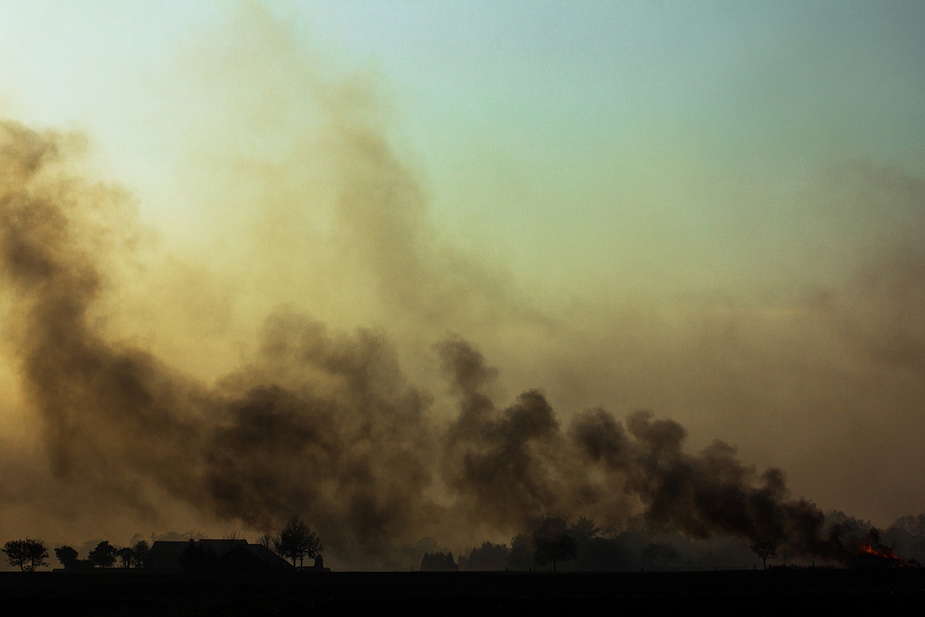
{"x": 105, "y": 555}
{"x": 438, "y": 562}
{"x": 30, "y": 554}
{"x": 552, "y": 542}
{"x": 295, "y": 541}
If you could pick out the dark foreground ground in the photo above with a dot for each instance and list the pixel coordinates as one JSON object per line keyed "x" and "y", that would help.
{"x": 743, "y": 592}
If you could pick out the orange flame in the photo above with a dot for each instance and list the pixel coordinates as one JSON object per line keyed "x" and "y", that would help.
{"x": 884, "y": 553}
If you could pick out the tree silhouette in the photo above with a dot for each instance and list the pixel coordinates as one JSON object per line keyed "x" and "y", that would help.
{"x": 438, "y": 562}
{"x": 266, "y": 541}
{"x": 765, "y": 548}
{"x": 140, "y": 551}
{"x": 66, "y": 555}
{"x": 104, "y": 555}
{"x": 125, "y": 555}
{"x": 28, "y": 554}
{"x": 584, "y": 529}
{"x": 297, "y": 541}
{"x": 487, "y": 557}
{"x": 553, "y": 543}
{"x": 521, "y": 556}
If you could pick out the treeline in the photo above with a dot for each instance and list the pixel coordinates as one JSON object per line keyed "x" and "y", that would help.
{"x": 551, "y": 544}
{"x": 296, "y": 541}
{"x": 105, "y": 555}
{"x": 583, "y": 545}
{"x": 30, "y": 554}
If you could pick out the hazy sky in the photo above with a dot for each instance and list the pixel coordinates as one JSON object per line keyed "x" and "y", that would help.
{"x": 714, "y": 210}
{"x": 662, "y": 148}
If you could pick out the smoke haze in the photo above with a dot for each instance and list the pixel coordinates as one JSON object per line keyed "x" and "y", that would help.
{"x": 301, "y": 333}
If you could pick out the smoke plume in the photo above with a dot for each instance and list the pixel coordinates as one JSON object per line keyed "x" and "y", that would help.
{"x": 307, "y": 439}
{"x": 324, "y": 424}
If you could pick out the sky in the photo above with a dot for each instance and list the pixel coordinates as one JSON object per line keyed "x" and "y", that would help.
{"x": 710, "y": 210}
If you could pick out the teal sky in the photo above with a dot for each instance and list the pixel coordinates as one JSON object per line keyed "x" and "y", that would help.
{"x": 631, "y": 136}
{"x": 713, "y": 209}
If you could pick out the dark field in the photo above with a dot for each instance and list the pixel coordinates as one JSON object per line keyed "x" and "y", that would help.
{"x": 472, "y": 593}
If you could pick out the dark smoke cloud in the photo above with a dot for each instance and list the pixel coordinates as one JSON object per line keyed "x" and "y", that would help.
{"x": 324, "y": 424}
{"x": 519, "y": 465}
{"x": 704, "y": 495}
{"x": 510, "y": 467}
{"x": 333, "y": 434}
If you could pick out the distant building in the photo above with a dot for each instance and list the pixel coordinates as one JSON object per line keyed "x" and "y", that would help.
{"x": 213, "y": 555}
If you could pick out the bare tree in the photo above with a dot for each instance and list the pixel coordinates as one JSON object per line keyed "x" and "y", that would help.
{"x": 297, "y": 541}
{"x": 265, "y": 540}
{"x": 765, "y": 549}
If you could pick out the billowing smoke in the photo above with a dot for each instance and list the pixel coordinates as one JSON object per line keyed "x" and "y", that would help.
{"x": 519, "y": 464}
{"x": 705, "y": 495}
{"x": 321, "y": 424}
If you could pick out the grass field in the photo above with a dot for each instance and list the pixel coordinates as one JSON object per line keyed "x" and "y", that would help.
{"x": 743, "y": 592}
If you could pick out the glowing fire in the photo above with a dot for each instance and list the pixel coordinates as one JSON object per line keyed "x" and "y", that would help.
{"x": 884, "y": 554}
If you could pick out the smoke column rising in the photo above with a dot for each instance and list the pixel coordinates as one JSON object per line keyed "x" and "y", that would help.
{"x": 324, "y": 424}
{"x": 253, "y": 451}
{"x": 703, "y": 247}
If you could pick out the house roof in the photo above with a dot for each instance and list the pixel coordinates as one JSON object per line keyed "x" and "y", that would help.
{"x": 168, "y": 556}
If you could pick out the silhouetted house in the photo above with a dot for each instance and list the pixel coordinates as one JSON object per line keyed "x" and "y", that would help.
{"x": 252, "y": 558}
{"x": 213, "y": 555}
{"x": 78, "y": 565}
